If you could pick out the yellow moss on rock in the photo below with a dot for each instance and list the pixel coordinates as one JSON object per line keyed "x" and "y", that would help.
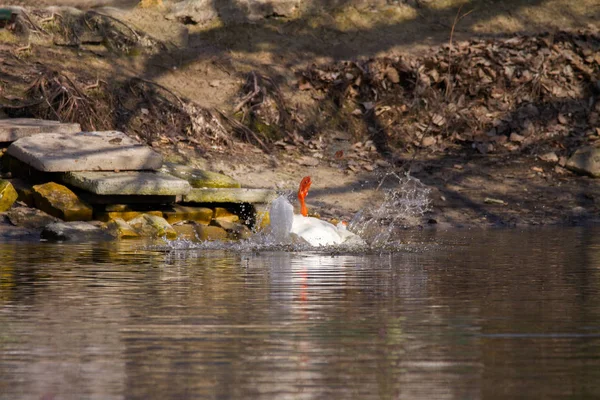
{"x": 8, "y": 195}
{"x": 263, "y": 220}
{"x": 225, "y": 214}
{"x": 61, "y": 202}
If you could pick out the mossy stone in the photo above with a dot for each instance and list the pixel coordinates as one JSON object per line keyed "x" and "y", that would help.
{"x": 61, "y": 202}
{"x": 263, "y": 220}
{"x": 153, "y": 226}
{"x": 8, "y": 195}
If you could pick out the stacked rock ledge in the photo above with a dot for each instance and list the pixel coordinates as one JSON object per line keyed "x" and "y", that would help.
{"x": 104, "y": 168}
{"x": 138, "y": 183}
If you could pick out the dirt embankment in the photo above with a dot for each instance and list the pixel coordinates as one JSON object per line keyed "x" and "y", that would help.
{"x": 471, "y": 97}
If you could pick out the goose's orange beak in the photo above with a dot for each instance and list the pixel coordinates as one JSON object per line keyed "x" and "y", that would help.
{"x": 302, "y": 192}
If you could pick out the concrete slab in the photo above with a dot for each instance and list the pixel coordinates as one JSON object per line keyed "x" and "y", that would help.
{"x": 229, "y": 195}
{"x": 84, "y": 151}
{"x": 128, "y": 183}
{"x": 16, "y": 128}
{"x": 199, "y": 178}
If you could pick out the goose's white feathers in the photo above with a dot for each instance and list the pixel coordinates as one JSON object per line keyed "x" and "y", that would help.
{"x": 285, "y": 226}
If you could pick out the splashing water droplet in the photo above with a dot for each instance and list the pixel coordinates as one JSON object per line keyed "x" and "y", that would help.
{"x": 405, "y": 202}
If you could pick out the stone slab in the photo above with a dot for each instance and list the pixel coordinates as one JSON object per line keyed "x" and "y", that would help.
{"x": 16, "y": 128}
{"x": 84, "y": 151}
{"x": 145, "y": 183}
{"x": 229, "y": 195}
{"x": 199, "y": 178}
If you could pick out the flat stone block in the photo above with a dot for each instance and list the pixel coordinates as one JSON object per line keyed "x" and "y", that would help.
{"x": 84, "y": 151}
{"x": 230, "y": 195}
{"x": 145, "y": 183}
{"x": 199, "y": 178}
{"x": 16, "y": 128}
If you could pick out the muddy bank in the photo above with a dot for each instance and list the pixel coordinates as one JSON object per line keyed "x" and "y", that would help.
{"x": 487, "y": 124}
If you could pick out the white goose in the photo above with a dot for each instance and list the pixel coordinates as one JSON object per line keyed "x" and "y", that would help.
{"x": 286, "y": 225}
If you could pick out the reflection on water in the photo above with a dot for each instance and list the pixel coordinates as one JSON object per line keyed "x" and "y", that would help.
{"x": 483, "y": 314}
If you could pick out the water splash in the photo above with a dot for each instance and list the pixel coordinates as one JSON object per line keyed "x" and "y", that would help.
{"x": 406, "y": 199}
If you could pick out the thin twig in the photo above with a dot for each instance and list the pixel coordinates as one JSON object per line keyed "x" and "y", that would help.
{"x": 94, "y": 85}
{"x": 249, "y": 96}
{"x": 457, "y": 18}
{"x": 50, "y": 18}
{"x": 23, "y": 48}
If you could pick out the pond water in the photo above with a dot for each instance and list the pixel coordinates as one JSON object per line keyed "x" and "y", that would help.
{"x": 455, "y": 315}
